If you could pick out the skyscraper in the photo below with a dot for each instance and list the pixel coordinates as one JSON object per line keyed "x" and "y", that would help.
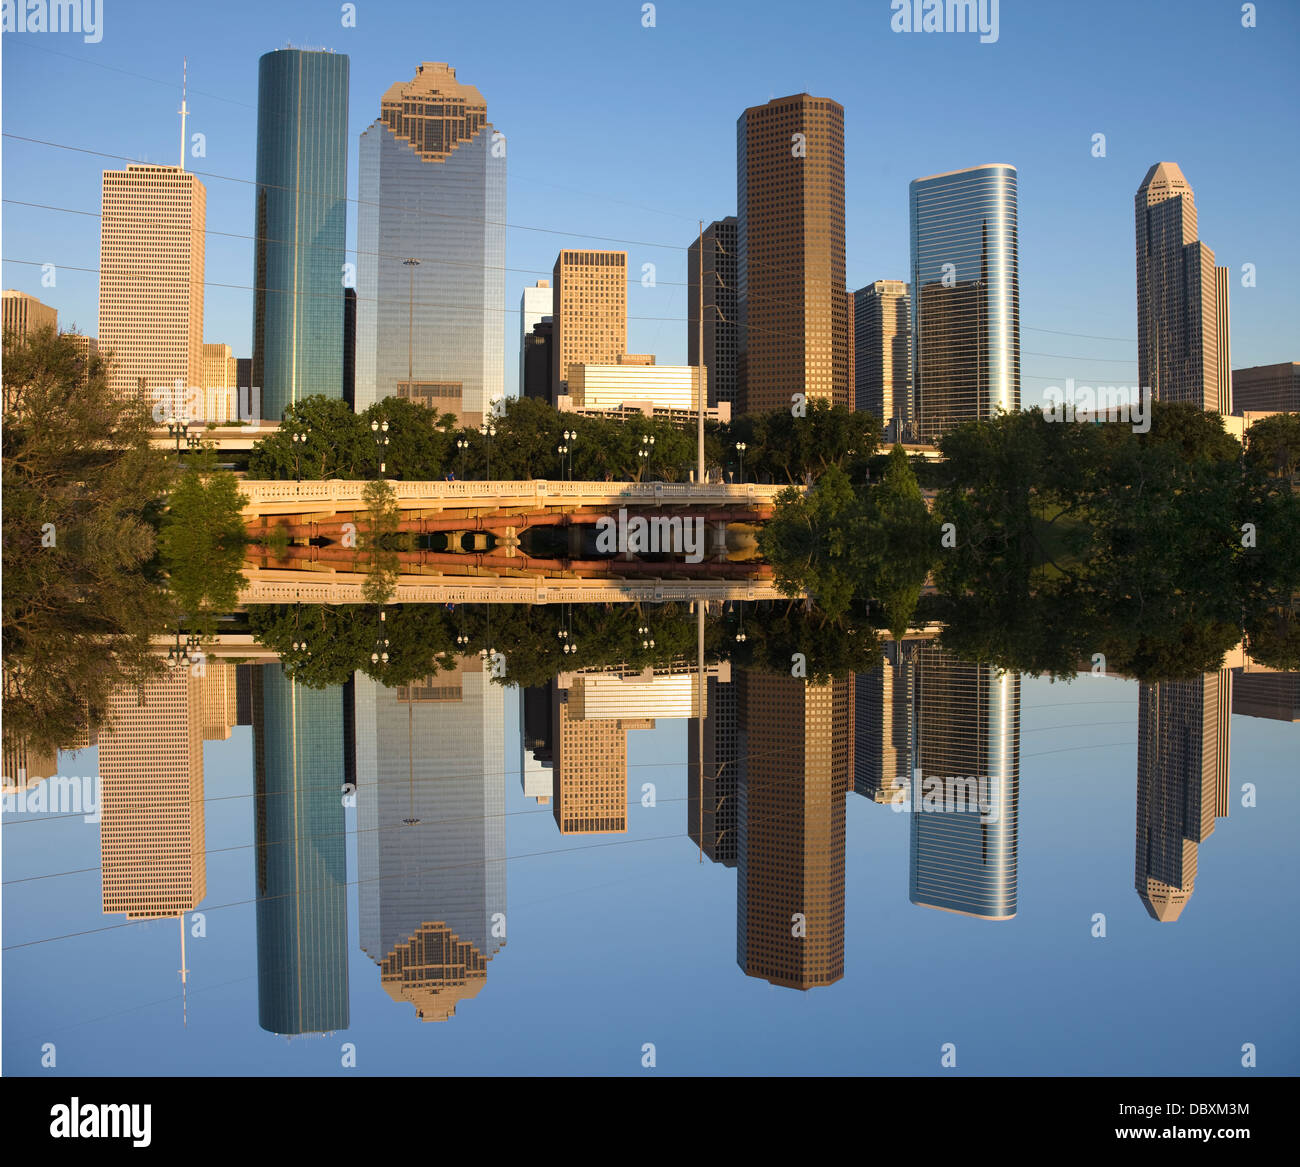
{"x": 796, "y": 332}
{"x": 712, "y": 826}
{"x": 590, "y": 312}
{"x": 431, "y": 842}
{"x": 589, "y": 768}
{"x": 1182, "y": 300}
{"x": 882, "y": 367}
{"x": 300, "y": 227}
{"x": 790, "y": 851}
{"x": 432, "y": 190}
{"x": 721, "y": 313}
{"x": 1182, "y": 784}
{"x": 535, "y": 306}
{"x": 965, "y": 828}
{"x": 883, "y": 724}
{"x": 151, "y": 830}
{"x": 965, "y": 297}
{"x": 300, "y": 855}
{"x": 24, "y": 314}
{"x": 151, "y": 254}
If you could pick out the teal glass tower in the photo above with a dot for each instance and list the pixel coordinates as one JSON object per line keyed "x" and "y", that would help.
{"x": 965, "y": 297}
{"x": 300, "y": 227}
{"x": 301, "y": 876}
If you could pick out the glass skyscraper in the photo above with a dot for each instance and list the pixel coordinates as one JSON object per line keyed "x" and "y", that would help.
{"x": 302, "y": 915}
{"x": 300, "y": 227}
{"x": 432, "y": 189}
{"x": 966, "y": 787}
{"x": 965, "y": 297}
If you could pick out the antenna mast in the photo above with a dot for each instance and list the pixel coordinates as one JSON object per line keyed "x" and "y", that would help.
{"x": 184, "y": 109}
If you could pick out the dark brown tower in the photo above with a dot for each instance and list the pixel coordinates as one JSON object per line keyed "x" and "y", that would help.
{"x": 796, "y": 320}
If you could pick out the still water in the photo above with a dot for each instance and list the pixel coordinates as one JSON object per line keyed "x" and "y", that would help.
{"x": 930, "y": 867}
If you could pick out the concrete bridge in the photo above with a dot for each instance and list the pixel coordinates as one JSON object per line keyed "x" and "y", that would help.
{"x": 332, "y": 496}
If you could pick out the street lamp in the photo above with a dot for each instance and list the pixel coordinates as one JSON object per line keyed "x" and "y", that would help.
{"x": 489, "y": 432}
{"x": 570, "y": 436}
{"x": 299, "y": 439}
{"x": 740, "y": 449}
{"x": 179, "y": 427}
{"x": 647, "y": 448}
{"x": 380, "y": 429}
{"x": 462, "y": 444}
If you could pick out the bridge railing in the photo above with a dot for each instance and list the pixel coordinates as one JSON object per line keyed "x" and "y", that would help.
{"x": 264, "y": 494}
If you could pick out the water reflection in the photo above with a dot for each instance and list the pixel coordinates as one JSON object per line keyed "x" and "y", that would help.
{"x": 771, "y": 758}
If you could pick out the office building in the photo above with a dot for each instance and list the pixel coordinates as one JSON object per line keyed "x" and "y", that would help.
{"x": 965, "y": 297}
{"x": 712, "y": 791}
{"x": 589, "y": 769}
{"x": 790, "y": 851}
{"x": 882, "y": 366}
{"x": 1182, "y": 784}
{"x": 536, "y": 306}
{"x": 965, "y": 787}
{"x": 1181, "y": 299}
{"x": 883, "y": 725}
{"x": 1267, "y": 388}
{"x": 300, "y": 224}
{"x": 220, "y": 384}
{"x": 671, "y": 387}
{"x": 721, "y": 309}
{"x": 151, "y": 828}
{"x": 431, "y": 841}
{"x": 24, "y": 314}
{"x": 1275, "y": 696}
{"x": 432, "y": 190}
{"x": 796, "y": 332}
{"x": 589, "y": 310}
{"x": 151, "y": 264}
{"x": 537, "y": 363}
{"x": 300, "y": 855}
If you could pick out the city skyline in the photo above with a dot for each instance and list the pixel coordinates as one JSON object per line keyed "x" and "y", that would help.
{"x": 1098, "y": 360}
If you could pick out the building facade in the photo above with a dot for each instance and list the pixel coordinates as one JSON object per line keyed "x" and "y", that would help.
{"x": 721, "y": 324}
{"x": 300, "y": 226}
{"x": 882, "y": 365}
{"x": 433, "y": 190}
{"x": 431, "y": 832}
{"x": 300, "y": 855}
{"x": 965, "y": 787}
{"x": 151, "y": 264}
{"x": 1182, "y": 299}
{"x": 1267, "y": 388}
{"x": 796, "y": 331}
{"x": 24, "y": 314}
{"x": 589, "y": 310}
{"x": 965, "y": 297}
{"x": 536, "y": 305}
{"x": 151, "y": 830}
{"x": 1182, "y": 785}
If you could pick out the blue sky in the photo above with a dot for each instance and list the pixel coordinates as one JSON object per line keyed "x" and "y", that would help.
{"x": 625, "y": 132}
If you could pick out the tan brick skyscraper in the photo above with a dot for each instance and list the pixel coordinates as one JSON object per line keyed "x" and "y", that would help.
{"x": 151, "y": 277}
{"x": 796, "y": 319}
{"x": 590, "y": 310}
{"x": 151, "y": 798}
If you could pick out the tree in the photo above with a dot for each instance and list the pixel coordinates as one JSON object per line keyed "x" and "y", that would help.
{"x": 202, "y": 542}
{"x": 82, "y": 591}
{"x": 338, "y": 443}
